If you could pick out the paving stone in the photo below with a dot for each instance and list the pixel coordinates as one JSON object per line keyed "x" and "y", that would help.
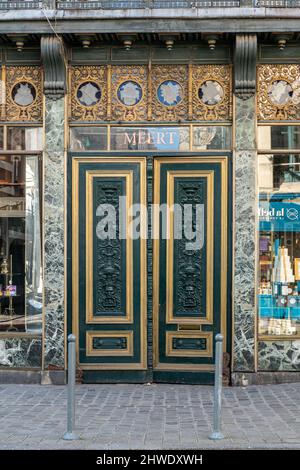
{"x": 151, "y": 417}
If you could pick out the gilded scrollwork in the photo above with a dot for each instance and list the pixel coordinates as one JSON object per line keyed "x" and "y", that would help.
{"x": 24, "y": 93}
{"x": 129, "y": 91}
{"x": 169, "y": 96}
{"x": 88, "y": 93}
{"x": 211, "y": 93}
{"x": 278, "y": 95}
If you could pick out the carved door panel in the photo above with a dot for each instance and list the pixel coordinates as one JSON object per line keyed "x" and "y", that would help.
{"x": 108, "y": 274}
{"x": 189, "y": 280}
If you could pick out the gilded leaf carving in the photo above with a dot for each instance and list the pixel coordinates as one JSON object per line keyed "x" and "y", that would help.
{"x": 24, "y": 93}
{"x": 278, "y": 96}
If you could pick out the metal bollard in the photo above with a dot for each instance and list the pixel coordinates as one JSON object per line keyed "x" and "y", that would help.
{"x": 216, "y": 434}
{"x": 70, "y": 434}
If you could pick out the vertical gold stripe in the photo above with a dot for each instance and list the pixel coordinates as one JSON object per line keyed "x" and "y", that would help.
{"x": 155, "y": 221}
{"x": 190, "y": 93}
{"x": 109, "y": 77}
{"x": 75, "y": 227}
{"x": 149, "y": 117}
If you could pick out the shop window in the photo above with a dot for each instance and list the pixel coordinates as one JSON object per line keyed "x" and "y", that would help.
{"x": 24, "y": 138}
{"x": 88, "y": 138}
{"x": 279, "y": 243}
{"x": 278, "y": 137}
{"x": 211, "y": 137}
{"x": 20, "y": 233}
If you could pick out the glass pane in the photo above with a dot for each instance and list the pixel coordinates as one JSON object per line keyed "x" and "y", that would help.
{"x": 279, "y": 172}
{"x": 279, "y": 245}
{"x": 24, "y": 138}
{"x": 20, "y": 244}
{"x": 212, "y": 137}
{"x": 150, "y": 138}
{"x": 88, "y": 138}
{"x": 1, "y": 137}
{"x": 278, "y": 137}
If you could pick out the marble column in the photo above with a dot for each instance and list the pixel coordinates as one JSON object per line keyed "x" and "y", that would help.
{"x": 54, "y": 229}
{"x": 244, "y": 242}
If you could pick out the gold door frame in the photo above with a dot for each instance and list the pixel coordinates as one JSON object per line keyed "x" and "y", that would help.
{"x": 142, "y": 365}
{"x": 224, "y": 240}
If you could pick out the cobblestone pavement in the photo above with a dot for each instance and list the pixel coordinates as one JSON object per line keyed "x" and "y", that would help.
{"x": 149, "y": 417}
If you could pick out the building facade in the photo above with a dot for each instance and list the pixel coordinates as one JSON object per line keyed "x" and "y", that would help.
{"x": 150, "y": 103}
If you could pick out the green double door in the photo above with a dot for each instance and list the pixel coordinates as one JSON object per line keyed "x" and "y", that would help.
{"x": 149, "y": 282}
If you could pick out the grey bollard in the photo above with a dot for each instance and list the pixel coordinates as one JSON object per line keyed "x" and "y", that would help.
{"x": 70, "y": 434}
{"x": 216, "y": 434}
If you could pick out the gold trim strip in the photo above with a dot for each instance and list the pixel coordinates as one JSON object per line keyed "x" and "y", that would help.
{"x": 90, "y": 351}
{"x": 170, "y": 352}
{"x": 185, "y": 367}
{"x": 90, "y": 317}
{"x": 209, "y": 175}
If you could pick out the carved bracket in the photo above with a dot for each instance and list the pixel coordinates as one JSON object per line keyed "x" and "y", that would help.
{"x": 245, "y": 65}
{"x": 53, "y": 58}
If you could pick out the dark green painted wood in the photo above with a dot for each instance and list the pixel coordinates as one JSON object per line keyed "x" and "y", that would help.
{"x": 202, "y": 378}
{"x": 147, "y": 376}
{"x": 180, "y": 54}
{"x": 99, "y": 289}
{"x": 163, "y": 326}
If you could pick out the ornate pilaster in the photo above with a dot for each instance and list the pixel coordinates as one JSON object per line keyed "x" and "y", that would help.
{"x": 54, "y": 182}
{"x": 245, "y": 205}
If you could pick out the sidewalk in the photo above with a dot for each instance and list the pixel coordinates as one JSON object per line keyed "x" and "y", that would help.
{"x": 149, "y": 417}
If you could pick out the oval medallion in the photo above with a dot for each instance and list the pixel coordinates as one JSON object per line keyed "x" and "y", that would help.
{"x": 280, "y": 92}
{"x": 130, "y": 93}
{"x": 170, "y": 93}
{"x": 211, "y": 92}
{"x": 23, "y": 94}
{"x": 88, "y": 93}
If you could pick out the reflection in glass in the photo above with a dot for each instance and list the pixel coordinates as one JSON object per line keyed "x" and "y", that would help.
{"x": 212, "y": 137}
{"x": 280, "y": 172}
{"x": 278, "y": 137}
{"x": 150, "y": 138}
{"x": 33, "y": 249}
{"x": 20, "y": 244}
{"x": 279, "y": 245}
{"x": 88, "y": 138}
{"x": 24, "y": 138}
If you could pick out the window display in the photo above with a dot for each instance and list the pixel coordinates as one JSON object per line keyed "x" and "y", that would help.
{"x": 279, "y": 245}
{"x": 20, "y": 234}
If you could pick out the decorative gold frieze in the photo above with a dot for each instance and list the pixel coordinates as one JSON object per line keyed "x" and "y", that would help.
{"x": 24, "y": 93}
{"x": 129, "y": 92}
{"x": 278, "y": 96}
{"x": 169, "y": 97}
{"x": 88, "y": 93}
{"x": 212, "y": 95}
{"x": 159, "y": 93}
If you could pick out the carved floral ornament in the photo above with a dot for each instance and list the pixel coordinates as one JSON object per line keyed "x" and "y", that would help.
{"x": 23, "y": 94}
{"x": 278, "y": 92}
{"x": 160, "y": 93}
